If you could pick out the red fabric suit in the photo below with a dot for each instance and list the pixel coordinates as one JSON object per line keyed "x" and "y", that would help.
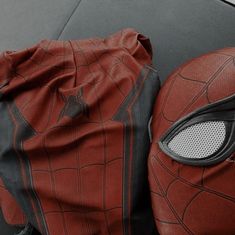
{"x": 195, "y": 196}
{"x": 76, "y": 115}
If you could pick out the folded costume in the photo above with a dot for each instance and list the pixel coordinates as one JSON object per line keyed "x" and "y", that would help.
{"x": 74, "y": 135}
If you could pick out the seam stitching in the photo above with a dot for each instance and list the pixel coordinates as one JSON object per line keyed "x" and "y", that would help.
{"x": 67, "y": 21}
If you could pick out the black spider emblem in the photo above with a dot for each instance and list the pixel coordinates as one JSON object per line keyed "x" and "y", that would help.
{"x": 74, "y": 106}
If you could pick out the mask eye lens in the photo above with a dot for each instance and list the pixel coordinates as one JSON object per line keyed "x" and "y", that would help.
{"x": 199, "y": 141}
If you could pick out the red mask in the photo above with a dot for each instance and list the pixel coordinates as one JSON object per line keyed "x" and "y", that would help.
{"x": 191, "y": 162}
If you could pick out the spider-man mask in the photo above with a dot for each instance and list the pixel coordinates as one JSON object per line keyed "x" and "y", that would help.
{"x": 191, "y": 163}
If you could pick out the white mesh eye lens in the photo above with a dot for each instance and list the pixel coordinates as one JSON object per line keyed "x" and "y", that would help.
{"x": 200, "y": 140}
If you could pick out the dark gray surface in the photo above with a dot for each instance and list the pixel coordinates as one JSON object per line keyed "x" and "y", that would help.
{"x": 178, "y": 29}
{"x": 25, "y": 22}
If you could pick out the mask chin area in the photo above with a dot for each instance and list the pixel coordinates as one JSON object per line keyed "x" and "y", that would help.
{"x": 204, "y": 137}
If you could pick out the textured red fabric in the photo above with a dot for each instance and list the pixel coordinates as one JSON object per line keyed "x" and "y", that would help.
{"x": 68, "y": 103}
{"x": 187, "y": 199}
{"x": 12, "y": 212}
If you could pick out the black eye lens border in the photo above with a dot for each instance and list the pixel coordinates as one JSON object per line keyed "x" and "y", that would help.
{"x": 221, "y": 111}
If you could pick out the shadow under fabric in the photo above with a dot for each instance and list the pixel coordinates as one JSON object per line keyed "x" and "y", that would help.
{"x": 75, "y": 151}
